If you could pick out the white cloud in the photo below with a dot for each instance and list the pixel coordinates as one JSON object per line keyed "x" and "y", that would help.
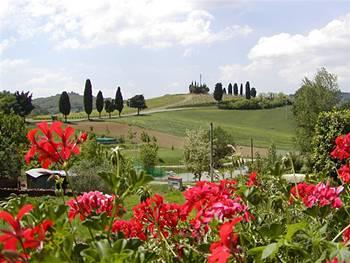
{"x": 21, "y": 74}
{"x": 89, "y": 23}
{"x": 280, "y": 62}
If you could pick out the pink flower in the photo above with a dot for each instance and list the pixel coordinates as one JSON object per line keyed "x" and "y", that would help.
{"x": 91, "y": 202}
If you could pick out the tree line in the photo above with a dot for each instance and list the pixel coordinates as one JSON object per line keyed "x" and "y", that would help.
{"x": 109, "y": 105}
{"x": 219, "y": 91}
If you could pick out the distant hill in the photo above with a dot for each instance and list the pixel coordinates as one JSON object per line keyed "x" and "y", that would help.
{"x": 49, "y": 105}
{"x": 345, "y": 96}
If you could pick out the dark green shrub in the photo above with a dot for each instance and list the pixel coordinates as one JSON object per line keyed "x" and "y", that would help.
{"x": 329, "y": 125}
{"x": 12, "y": 141}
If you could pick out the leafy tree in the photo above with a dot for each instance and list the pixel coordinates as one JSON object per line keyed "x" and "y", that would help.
{"x": 12, "y": 140}
{"x": 314, "y": 96}
{"x": 221, "y": 138}
{"x": 7, "y": 101}
{"x": 109, "y": 107}
{"x": 138, "y": 101}
{"x": 196, "y": 151}
{"x": 253, "y": 92}
{"x": 218, "y": 92}
{"x": 23, "y": 104}
{"x": 198, "y": 89}
{"x": 99, "y": 103}
{"x": 64, "y": 105}
{"x": 119, "y": 102}
{"x": 88, "y": 98}
{"x": 149, "y": 155}
{"x": 235, "y": 89}
{"x": 247, "y": 90}
{"x": 241, "y": 90}
{"x": 229, "y": 89}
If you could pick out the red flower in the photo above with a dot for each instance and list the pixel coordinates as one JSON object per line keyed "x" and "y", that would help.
{"x": 130, "y": 229}
{"x": 344, "y": 173}
{"x": 346, "y": 235}
{"x": 91, "y": 202}
{"x": 222, "y": 250}
{"x": 342, "y": 148}
{"x": 27, "y": 238}
{"x": 155, "y": 215}
{"x": 252, "y": 179}
{"x": 47, "y": 149}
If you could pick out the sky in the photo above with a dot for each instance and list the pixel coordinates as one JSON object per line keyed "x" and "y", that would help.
{"x": 157, "y": 47}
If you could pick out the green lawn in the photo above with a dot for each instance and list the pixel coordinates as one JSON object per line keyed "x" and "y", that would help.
{"x": 166, "y": 156}
{"x": 264, "y": 126}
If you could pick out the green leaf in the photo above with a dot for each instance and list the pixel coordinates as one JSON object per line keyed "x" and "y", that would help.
{"x": 293, "y": 228}
{"x": 270, "y": 250}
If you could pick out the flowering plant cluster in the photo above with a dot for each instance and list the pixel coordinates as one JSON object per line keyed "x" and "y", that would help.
{"x": 254, "y": 218}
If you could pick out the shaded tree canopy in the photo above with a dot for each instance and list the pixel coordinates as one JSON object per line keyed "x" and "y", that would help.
{"x": 229, "y": 89}
{"x": 88, "y": 98}
{"x": 247, "y": 90}
{"x": 235, "y": 89}
{"x": 218, "y": 92}
{"x": 23, "y": 104}
{"x": 99, "y": 102}
{"x": 64, "y": 105}
{"x": 119, "y": 102}
{"x": 138, "y": 101}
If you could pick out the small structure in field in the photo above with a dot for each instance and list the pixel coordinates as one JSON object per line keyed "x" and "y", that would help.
{"x": 175, "y": 182}
{"x": 38, "y": 178}
{"x": 106, "y": 140}
{"x": 294, "y": 178}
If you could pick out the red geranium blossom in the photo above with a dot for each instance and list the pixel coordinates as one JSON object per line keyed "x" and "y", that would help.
{"x": 48, "y": 148}
{"x": 344, "y": 173}
{"x": 91, "y": 202}
{"x": 342, "y": 148}
{"x": 156, "y": 215}
{"x": 211, "y": 200}
{"x": 25, "y": 237}
{"x": 227, "y": 245}
{"x": 252, "y": 179}
{"x": 130, "y": 229}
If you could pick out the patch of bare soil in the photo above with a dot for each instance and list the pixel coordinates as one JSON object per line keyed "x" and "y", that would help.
{"x": 115, "y": 129}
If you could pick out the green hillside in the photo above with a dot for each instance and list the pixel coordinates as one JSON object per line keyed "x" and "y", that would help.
{"x": 264, "y": 126}
{"x": 50, "y": 104}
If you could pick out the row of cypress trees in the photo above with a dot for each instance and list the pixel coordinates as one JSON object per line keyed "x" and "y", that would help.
{"x": 219, "y": 91}
{"x": 108, "y": 104}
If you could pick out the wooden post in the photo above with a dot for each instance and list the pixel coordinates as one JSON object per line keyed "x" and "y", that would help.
{"x": 211, "y": 153}
{"x": 252, "y": 149}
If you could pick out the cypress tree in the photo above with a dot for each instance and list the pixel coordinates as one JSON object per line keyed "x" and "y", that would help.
{"x": 241, "y": 90}
{"x": 253, "y": 92}
{"x": 64, "y": 105}
{"x": 119, "y": 102}
{"x": 99, "y": 103}
{"x": 88, "y": 98}
{"x": 109, "y": 107}
{"x": 235, "y": 89}
{"x": 247, "y": 90}
{"x": 229, "y": 89}
{"x": 218, "y": 92}
{"x": 224, "y": 91}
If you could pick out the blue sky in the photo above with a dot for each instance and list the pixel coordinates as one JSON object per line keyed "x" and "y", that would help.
{"x": 156, "y": 47}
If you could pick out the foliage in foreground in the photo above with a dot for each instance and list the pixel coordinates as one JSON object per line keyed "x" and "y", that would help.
{"x": 258, "y": 218}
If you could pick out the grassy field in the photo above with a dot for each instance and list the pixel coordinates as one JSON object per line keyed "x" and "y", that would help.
{"x": 264, "y": 126}
{"x": 166, "y": 156}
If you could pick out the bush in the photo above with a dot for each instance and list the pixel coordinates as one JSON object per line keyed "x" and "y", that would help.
{"x": 149, "y": 155}
{"x": 260, "y": 102}
{"x": 87, "y": 178}
{"x": 12, "y": 141}
{"x": 329, "y": 125}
